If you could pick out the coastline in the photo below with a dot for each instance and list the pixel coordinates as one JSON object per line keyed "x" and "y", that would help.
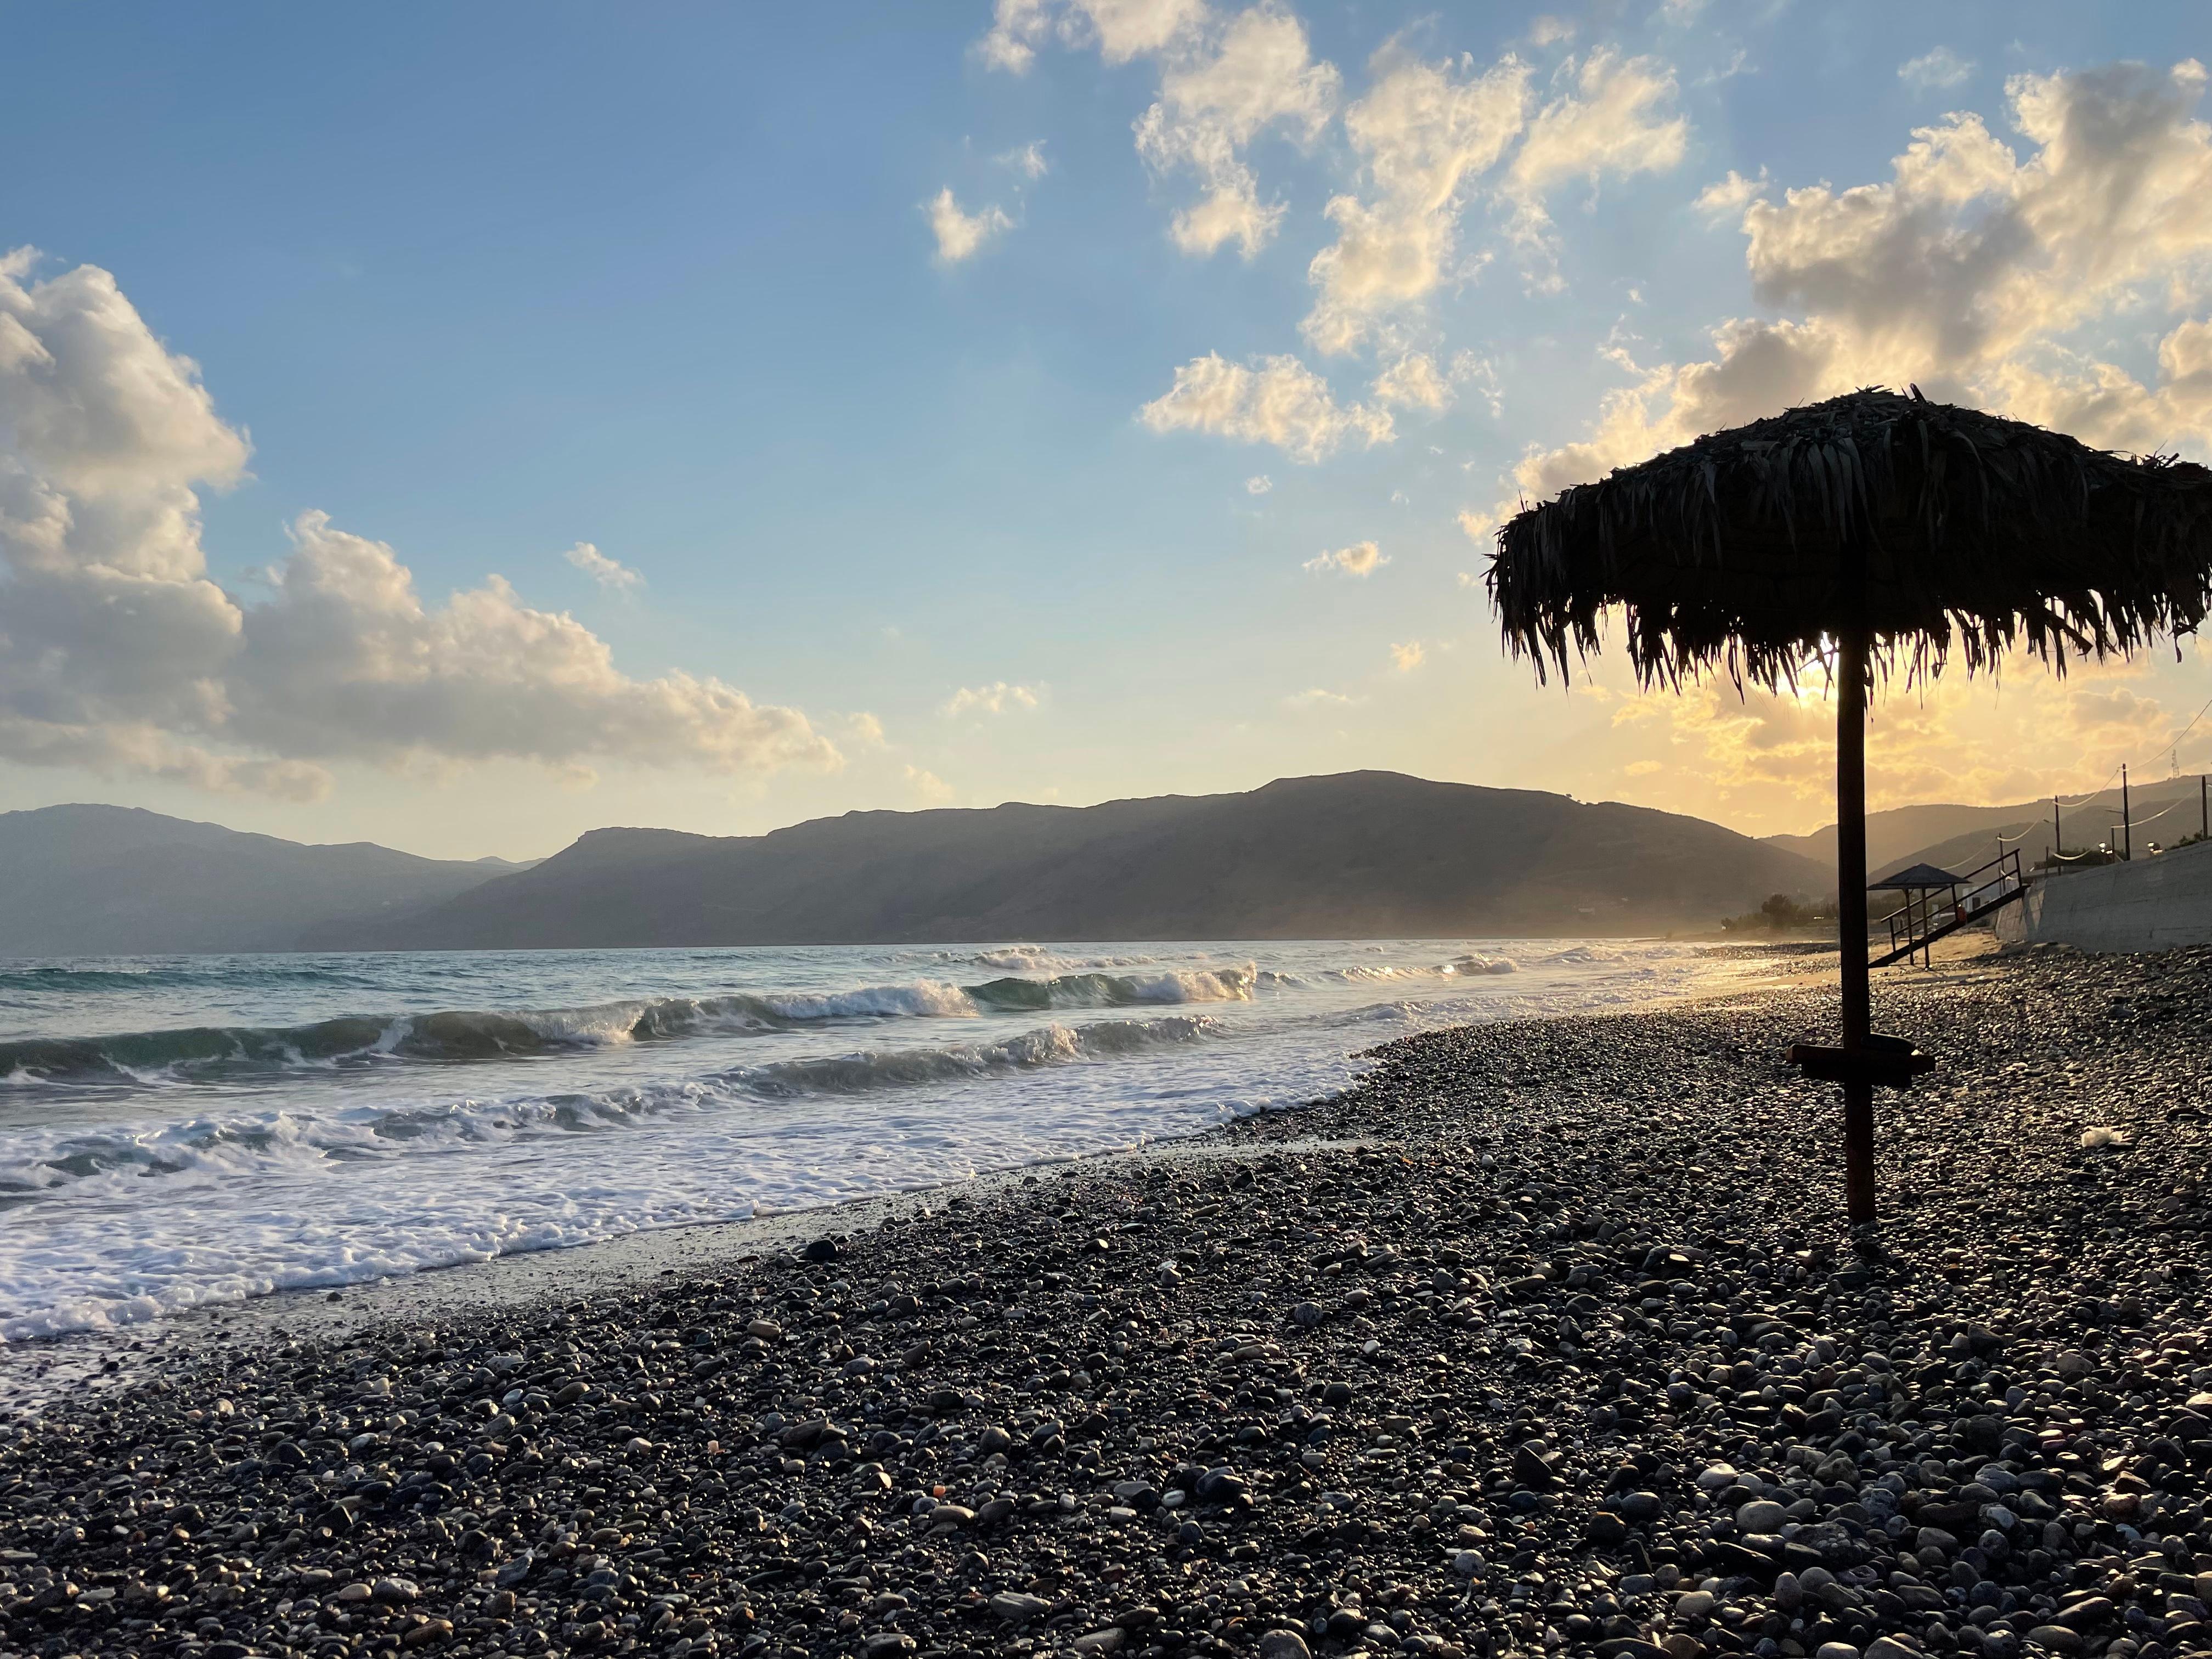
{"x": 36, "y": 1369}
{"x": 227, "y": 1129}
{"x": 1539, "y": 1337}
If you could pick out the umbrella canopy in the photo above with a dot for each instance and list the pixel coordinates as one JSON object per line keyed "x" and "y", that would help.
{"x": 1939, "y": 529}
{"x": 1897, "y": 531}
{"x": 1913, "y": 878}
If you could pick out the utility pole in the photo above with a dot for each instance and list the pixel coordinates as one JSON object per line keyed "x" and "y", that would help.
{"x": 2203, "y": 809}
{"x": 2127, "y": 825}
{"x": 2057, "y": 840}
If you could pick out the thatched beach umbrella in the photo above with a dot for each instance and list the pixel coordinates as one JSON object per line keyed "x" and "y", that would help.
{"x": 1887, "y": 534}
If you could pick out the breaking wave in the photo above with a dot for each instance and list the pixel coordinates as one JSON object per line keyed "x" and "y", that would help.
{"x": 1034, "y": 960}
{"x": 225, "y": 1052}
{"x": 1463, "y": 967}
{"x": 1096, "y": 990}
{"x": 212, "y": 1148}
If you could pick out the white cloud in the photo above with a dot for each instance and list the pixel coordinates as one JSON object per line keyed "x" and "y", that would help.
{"x": 1027, "y": 160}
{"x": 1970, "y": 271}
{"x": 1018, "y": 27}
{"x": 1616, "y": 121}
{"x": 1258, "y": 485}
{"x": 963, "y": 235}
{"x": 144, "y": 750}
{"x": 1729, "y": 197}
{"x": 606, "y": 572}
{"x": 1213, "y": 102}
{"x": 118, "y": 652}
{"x": 347, "y": 661}
{"x": 1318, "y": 697}
{"x": 1224, "y": 80}
{"x": 2087, "y": 396}
{"x": 1121, "y": 29}
{"x": 1407, "y": 657}
{"x": 1423, "y": 132}
{"x": 1279, "y": 401}
{"x": 997, "y": 698}
{"x": 1471, "y": 369}
{"x": 927, "y": 785}
{"x": 1479, "y": 527}
{"x": 1739, "y": 63}
{"x": 1941, "y": 68}
{"x": 1413, "y": 382}
{"x": 1426, "y": 133}
{"x": 1360, "y": 559}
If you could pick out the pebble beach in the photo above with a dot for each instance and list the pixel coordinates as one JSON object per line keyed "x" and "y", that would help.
{"x": 1544, "y": 1338}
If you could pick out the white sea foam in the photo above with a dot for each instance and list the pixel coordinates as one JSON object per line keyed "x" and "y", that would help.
{"x": 1473, "y": 965}
{"x": 1047, "y": 961}
{"x": 926, "y": 1000}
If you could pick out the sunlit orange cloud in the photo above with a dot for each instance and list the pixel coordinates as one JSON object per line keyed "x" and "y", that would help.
{"x": 1766, "y": 761}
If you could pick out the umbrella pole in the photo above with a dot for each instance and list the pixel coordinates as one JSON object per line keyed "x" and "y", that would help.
{"x": 1851, "y": 919}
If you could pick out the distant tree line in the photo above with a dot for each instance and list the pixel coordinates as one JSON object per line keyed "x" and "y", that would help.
{"x": 1781, "y": 914}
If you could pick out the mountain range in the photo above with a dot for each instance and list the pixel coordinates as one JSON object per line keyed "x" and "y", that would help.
{"x": 1359, "y": 855}
{"x": 89, "y": 880}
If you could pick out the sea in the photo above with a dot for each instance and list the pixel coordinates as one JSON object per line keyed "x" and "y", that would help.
{"x": 182, "y": 1131}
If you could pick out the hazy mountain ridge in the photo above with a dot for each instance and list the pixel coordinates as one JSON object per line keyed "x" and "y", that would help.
{"x": 1900, "y": 835}
{"x": 94, "y": 880}
{"x": 1355, "y": 854}
{"x": 1363, "y": 855}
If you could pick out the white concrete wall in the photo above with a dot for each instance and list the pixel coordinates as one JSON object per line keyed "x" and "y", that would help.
{"x": 2155, "y": 904}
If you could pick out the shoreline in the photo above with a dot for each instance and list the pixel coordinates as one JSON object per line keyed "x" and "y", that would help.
{"x": 1543, "y": 1338}
{"x": 37, "y": 1369}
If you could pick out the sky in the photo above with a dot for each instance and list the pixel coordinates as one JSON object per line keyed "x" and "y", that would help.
{"x": 464, "y": 427}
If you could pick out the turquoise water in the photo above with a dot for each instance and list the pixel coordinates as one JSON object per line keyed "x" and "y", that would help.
{"x": 178, "y": 1130}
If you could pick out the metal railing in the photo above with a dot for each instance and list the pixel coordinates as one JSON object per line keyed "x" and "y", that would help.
{"x": 1929, "y": 911}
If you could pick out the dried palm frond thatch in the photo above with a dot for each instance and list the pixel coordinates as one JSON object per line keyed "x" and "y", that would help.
{"x": 1935, "y": 528}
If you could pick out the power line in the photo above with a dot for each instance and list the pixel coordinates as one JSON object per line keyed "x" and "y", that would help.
{"x": 2083, "y": 800}
{"x": 2161, "y": 812}
{"x": 2172, "y": 743}
{"x": 2191, "y": 727}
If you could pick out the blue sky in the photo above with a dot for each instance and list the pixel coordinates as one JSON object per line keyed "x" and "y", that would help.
{"x": 909, "y": 507}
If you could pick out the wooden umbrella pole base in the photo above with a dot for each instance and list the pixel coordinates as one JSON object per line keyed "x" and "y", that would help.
{"x": 1893, "y": 1062}
{"x": 1858, "y": 1151}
